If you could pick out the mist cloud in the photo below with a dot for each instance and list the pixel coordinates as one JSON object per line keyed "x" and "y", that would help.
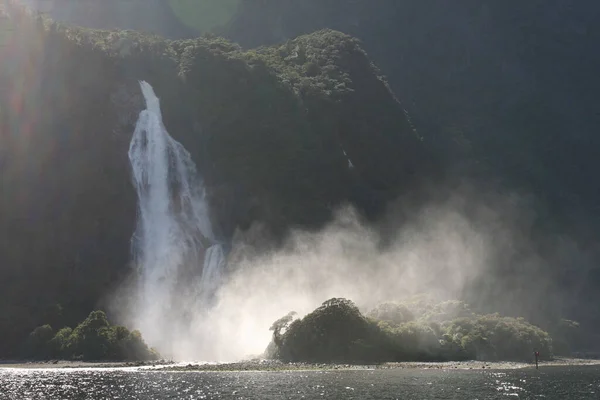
{"x": 454, "y": 248}
{"x": 437, "y": 251}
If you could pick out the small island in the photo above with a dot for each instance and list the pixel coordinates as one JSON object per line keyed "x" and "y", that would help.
{"x": 94, "y": 339}
{"x": 419, "y": 330}
{"x": 414, "y": 333}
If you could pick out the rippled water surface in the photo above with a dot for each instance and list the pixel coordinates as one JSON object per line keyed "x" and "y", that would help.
{"x": 548, "y": 383}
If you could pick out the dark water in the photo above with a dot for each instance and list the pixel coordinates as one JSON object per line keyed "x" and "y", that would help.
{"x": 548, "y": 383}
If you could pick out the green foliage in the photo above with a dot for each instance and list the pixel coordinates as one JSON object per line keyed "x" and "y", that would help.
{"x": 338, "y": 332}
{"x": 61, "y": 344}
{"x": 93, "y": 339}
{"x": 492, "y": 337}
{"x": 413, "y": 340}
{"x": 37, "y": 344}
{"x": 392, "y": 313}
{"x": 281, "y": 325}
{"x": 447, "y": 310}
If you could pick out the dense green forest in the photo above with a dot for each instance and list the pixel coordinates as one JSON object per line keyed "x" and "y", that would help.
{"x": 93, "y": 339}
{"x": 416, "y": 329}
{"x": 500, "y": 95}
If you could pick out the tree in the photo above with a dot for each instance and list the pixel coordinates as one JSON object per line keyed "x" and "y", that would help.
{"x": 391, "y": 312}
{"x": 281, "y": 325}
{"x": 37, "y": 345}
{"x": 332, "y": 332}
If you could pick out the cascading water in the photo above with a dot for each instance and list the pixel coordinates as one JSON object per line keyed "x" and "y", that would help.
{"x": 174, "y": 246}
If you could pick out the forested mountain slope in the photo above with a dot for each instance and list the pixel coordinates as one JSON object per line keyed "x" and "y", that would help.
{"x": 271, "y": 131}
{"x": 509, "y": 85}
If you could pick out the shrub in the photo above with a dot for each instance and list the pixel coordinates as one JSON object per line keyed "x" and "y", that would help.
{"x": 492, "y": 337}
{"x": 332, "y": 332}
{"x": 415, "y": 341}
{"x": 93, "y": 339}
{"x": 393, "y": 313}
{"x": 37, "y": 345}
{"x": 61, "y": 345}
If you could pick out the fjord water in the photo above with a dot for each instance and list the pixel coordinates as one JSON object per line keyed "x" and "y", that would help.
{"x": 550, "y": 383}
{"x": 174, "y": 246}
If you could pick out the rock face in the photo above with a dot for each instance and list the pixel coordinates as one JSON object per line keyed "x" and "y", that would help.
{"x": 492, "y": 85}
{"x": 281, "y": 136}
{"x": 305, "y": 108}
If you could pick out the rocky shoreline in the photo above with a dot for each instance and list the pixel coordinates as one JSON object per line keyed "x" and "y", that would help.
{"x": 57, "y": 364}
{"x": 273, "y": 365}
{"x": 258, "y": 365}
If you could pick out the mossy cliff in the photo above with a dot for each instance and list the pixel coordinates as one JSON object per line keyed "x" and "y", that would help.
{"x": 268, "y": 129}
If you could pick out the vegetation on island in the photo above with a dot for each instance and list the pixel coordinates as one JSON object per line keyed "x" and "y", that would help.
{"x": 404, "y": 331}
{"x": 94, "y": 339}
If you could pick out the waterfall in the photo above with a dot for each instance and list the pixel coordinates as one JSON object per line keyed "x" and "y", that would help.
{"x": 174, "y": 246}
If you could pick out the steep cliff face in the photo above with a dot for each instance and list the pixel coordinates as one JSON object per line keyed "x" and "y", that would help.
{"x": 320, "y": 114}
{"x": 492, "y": 85}
{"x": 281, "y": 135}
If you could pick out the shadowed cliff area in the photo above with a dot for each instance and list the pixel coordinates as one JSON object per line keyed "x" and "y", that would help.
{"x": 282, "y": 135}
{"x": 499, "y": 88}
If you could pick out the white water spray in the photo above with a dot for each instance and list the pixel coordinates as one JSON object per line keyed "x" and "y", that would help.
{"x": 174, "y": 246}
